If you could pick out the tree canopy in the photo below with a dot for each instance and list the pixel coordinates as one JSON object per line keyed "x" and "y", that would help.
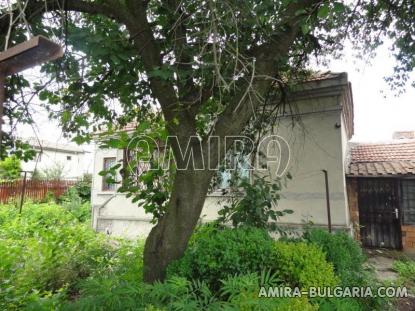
{"x": 188, "y": 68}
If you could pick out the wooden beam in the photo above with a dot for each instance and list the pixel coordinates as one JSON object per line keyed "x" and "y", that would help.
{"x": 29, "y": 54}
{"x": 23, "y": 56}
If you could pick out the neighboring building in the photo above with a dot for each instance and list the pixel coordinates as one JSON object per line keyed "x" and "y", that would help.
{"x": 381, "y": 191}
{"x": 49, "y": 155}
{"x": 317, "y": 131}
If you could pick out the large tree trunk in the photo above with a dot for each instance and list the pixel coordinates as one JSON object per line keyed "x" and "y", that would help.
{"x": 168, "y": 240}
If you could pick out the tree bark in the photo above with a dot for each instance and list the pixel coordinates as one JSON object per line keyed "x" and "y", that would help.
{"x": 168, "y": 240}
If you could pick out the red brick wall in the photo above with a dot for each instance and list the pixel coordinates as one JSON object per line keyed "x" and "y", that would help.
{"x": 408, "y": 237}
{"x": 352, "y": 198}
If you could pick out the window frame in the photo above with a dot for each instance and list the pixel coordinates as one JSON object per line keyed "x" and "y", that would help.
{"x": 407, "y": 204}
{"x": 226, "y": 191}
{"x": 105, "y": 186}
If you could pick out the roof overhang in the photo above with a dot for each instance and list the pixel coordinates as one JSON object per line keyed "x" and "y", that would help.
{"x": 382, "y": 169}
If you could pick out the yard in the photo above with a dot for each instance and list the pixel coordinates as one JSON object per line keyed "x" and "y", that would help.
{"x": 208, "y": 83}
{"x": 52, "y": 260}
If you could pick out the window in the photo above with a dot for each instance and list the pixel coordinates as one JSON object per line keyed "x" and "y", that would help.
{"x": 132, "y": 165}
{"x": 108, "y": 163}
{"x": 241, "y": 171}
{"x": 68, "y": 158}
{"x": 408, "y": 202}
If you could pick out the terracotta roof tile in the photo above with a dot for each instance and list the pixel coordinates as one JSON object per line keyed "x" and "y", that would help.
{"x": 383, "y": 152}
{"x": 397, "y": 158}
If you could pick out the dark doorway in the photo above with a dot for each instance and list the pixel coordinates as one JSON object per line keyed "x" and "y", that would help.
{"x": 379, "y": 213}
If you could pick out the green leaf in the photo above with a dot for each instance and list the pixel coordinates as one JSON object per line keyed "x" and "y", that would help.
{"x": 43, "y": 95}
{"x": 305, "y": 28}
{"x": 339, "y": 7}
{"x": 162, "y": 73}
{"x": 323, "y": 12}
{"x": 66, "y": 116}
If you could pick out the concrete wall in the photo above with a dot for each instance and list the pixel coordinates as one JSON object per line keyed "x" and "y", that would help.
{"x": 317, "y": 135}
{"x": 72, "y": 168}
{"x": 115, "y": 214}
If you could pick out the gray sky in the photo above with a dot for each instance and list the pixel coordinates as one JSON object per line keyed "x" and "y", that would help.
{"x": 377, "y": 112}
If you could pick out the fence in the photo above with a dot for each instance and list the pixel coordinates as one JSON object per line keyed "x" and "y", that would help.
{"x": 36, "y": 190}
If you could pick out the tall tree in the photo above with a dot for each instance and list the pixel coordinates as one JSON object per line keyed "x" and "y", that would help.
{"x": 210, "y": 66}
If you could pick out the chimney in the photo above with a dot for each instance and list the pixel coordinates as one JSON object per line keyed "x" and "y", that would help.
{"x": 404, "y": 135}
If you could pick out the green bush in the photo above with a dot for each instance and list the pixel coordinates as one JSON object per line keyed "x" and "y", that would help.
{"x": 301, "y": 264}
{"x": 341, "y": 304}
{"x": 214, "y": 253}
{"x": 46, "y": 251}
{"x": 83, "y": 187}
{"x": 237, "y": 293}
{"x": 10, "y": 168}
{"x": 117, "y": 286}
{"x": 348, "y": 260}
{"x": 343, "y": 252}
{"x": 253, "y": 204}
{"x": 241, "y": 293}
{"x": 406, "y": 271}
{"x": 52, "y": 261}
{"x": 74, "y": 204}
{"x": 178, "y": 293}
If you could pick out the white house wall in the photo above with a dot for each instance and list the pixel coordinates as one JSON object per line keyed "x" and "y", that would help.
{"x": 73, "y": 168}
{"x": 317, "y": 143}
{"x": 315, "y": 146}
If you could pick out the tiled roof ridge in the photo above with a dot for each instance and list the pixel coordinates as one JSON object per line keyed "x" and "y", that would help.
{"x": 387, "y": 159}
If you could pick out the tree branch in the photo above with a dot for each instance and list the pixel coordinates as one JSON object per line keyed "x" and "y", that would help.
{"x": 34, "y": 9}
{"x": 238, "y": 112}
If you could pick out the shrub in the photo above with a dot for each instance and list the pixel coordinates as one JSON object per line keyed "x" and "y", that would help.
{"x": 241, "y": 293}
{"x": 341, "y": 304}
{"x": 55, "y": 172}
{"x": 253, "y": 204}
{"x": 301, "y": 264}
{"x": 237, "y": 293}
{"x": 52, "y": 261}
{"x": 215, "y": 253}
{"x": 343, "y": 252}
{"x": 73, "y": 203}
{"x": 115, "y": 284}
{"x": 10, "y": 168}
{"x": 178, "y": 293}
{"x": 348, "y": 260}
{"x": 406, "y": 271}
{"x": 83, "y": 187}
{"x": 46, "y": 250}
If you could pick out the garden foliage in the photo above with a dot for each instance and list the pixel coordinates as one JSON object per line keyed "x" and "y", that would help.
{"x": 343, "y": 252}
{"x": 303, "y": 265}
{"x": 215, "y": 253}
{"x": 52, "y": 260}
{"x": 10, "y": 168}
{"x": 47, "y": 251}
{"x": 406, "y": 271}
{"x": 253, "y": 203}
